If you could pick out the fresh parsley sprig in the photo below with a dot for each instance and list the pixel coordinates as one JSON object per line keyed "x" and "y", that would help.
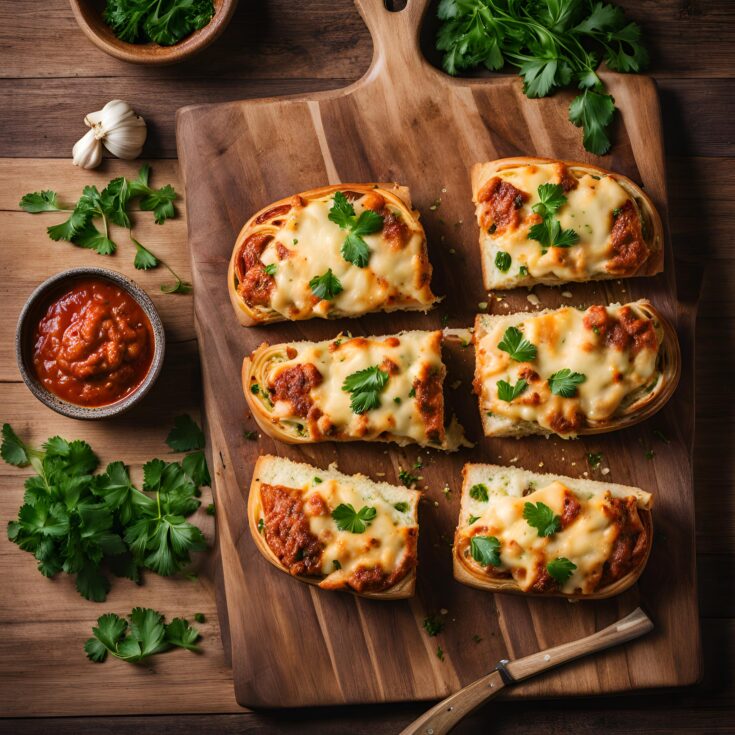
{"x": 479, "y": 492}
{"x": 517, "y": 346}
{"x": 508, "y": 392}
{"x": 111, "y": 205}
{"x": 365, "y": 387}
{"x": 564, "y": 382}
{"x": 561, "y": 569}
{"x": 542, "y": 518}
{"x": 82, "y": 523}
{"x": 548, "y": 232}
{"x": 552, "y": 44}
{"x": 326, "y": 286}
{"x": 354, "y": 521}
{"x": 485, "y": 550}
{"x": 354, "y": 249}
{"x": 145, "y": 635}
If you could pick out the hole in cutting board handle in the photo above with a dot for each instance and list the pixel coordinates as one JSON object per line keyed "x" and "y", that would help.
{"x": 395, "y": 6}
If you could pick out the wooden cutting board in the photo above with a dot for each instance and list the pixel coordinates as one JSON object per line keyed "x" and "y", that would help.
{"x": 294, "y": 645}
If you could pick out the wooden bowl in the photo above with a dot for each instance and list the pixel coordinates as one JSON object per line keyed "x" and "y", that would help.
{"x": 88, "y": 14}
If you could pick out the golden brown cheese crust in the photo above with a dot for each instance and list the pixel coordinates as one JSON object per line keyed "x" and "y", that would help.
{"x": 289, "y": 243}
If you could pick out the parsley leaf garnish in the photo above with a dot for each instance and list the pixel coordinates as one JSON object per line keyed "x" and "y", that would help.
{"x": 548, "y": 232}
{"x": 517, "y": 346}
{"x": 561, "y": 569}
{"x": 433, "y": 624}
{"x": 485, "y": 550}
{"x": 503, "y": 261}
{"x": 365, "y": 387}
{"x": 354, "y": 249}
{"x": 145, "y": 635}
{"x": 479, "y": 492}
{"x": 564, "y": 382}
{"x": 271, "y": 269}
{"x": 401, "y": 507}
{"x": 508, "y": 392}
{"x": 553, "y": 45}
{"x": 542, "y": 518}
{"x": 594, "y": 459}
{"x": 326, "y": 286}
{"x": 407, "y": 478}
{"x": 354, "y": 521}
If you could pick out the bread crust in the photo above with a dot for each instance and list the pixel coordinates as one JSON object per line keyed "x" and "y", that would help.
{"x": 397, "y": 195}
{"x": 483, "y": 172}
{"x": 403, "y": 589}
{"x": 473, "y": 577}
{"x": 640, "y": 410}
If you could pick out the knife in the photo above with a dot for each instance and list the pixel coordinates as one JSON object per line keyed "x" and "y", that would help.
{"x": 447, "y": 714}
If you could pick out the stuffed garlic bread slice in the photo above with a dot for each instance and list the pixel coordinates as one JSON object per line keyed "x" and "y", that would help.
{"x": 336, "y": 531}
{"x": 352, "y": 388}
{"x": 546, "y": 534}
{"x": 336, "y": 251}
{"x": 569, "y": 371}
{"x": 548, "y": 221}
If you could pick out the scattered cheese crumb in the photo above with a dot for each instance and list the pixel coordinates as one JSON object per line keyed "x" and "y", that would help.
{"x": 540, "y": 464}
{"x": 533, "y": 299}
{"x": 443, "y": 611}
{"x": 515, "y": 459}
{"x": 482, "y": 305}
{"x": 444, "y": 190}
{"x": 586, "y": 474}
{"x": 574, "y": 464}
{"x": 436, "y": 503}
{"x": 605, "y": 470}
{"x": 566, "y": 294}
{"x": 452, "y": 251}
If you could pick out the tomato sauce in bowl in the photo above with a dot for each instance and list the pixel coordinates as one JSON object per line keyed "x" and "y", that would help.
{"x": 93, "y": 345}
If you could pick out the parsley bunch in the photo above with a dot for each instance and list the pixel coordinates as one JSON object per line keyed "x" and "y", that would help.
{"x": 365, "y": 387}
{"x": 148, "y": 635}
{"x": 75, "y": 521}
{"x": 164, "y": 22}
{"x": 553, "y": 44}
{"x": 111, "y": 205}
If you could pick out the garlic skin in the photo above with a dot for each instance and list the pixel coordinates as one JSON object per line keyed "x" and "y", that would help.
{"x": 87, "y": 151}
{"x": 117, "y": 127}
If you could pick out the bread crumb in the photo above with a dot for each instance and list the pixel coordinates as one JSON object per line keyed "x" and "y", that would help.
{"x": 566, "y": 294}
{"x": 605, "y": 470}
{"x": 533, "y": 299}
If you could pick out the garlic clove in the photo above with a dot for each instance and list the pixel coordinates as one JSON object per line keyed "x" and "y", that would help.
{"x": 93, "y": 118}
{"x": 87, "y": 151}
{"x": 121, "y": 131}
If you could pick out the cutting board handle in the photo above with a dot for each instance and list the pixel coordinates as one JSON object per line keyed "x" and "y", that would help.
{"x": 395, "y": 34}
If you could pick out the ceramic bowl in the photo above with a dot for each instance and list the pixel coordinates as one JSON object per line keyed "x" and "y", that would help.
{"x": 88, "y": 14}
{"x": 33, "y": 310}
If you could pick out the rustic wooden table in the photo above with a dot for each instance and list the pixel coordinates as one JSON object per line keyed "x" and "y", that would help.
{"x": 50, "y": 77}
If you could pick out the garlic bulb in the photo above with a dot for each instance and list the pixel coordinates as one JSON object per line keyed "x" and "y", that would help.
{"x": 117, "y": 127}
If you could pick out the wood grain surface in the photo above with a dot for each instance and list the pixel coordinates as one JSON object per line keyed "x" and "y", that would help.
{"x": 405, "y": 122}
{"x": 273, "y": 48}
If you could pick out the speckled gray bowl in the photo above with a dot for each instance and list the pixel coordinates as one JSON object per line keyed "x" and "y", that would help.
{"x": 32, "y": 312}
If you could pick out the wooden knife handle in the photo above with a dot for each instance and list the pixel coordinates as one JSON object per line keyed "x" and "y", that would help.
{"x": 441, "y": 718}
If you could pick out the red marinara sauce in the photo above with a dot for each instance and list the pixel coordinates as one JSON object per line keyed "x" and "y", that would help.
{"x": 93, "y": 345}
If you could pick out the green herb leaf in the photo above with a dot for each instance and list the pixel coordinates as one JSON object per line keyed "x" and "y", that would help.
{"x": 479, "y": 492}
{"x": 408, "y": 479}
{"x": 271, "y": 269}
{"x": 40, "y": 201}
{"x": 564, "y": 382}
{"x": 13, "y": 450}
{"x": 186, "y": 435}
{"x": 356, "y": 250}
{"x": 365, "y": 387}
{"x": 195, "y": 465}
{"x": 326, "y": 286}
{"x": 402, "y": 507}
{"x": 144, "y": 258}
{"x": 348, "y": 519}
{"x": 342, "y": 213}
{"x": 594, "y": 459}
{"x": 542, "y": 518}
{"x": 503, "y": 261}
{"x": 508, "y": 392}
{"x": 561, "y": 569}
{"x": 593, "y": 111}
{"x": 433, "y": 624}
{"x": 517, "y": 346}
{"x": 485, "y": 550}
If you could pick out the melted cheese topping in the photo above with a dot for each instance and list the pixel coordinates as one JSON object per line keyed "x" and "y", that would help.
{"x": 392, "y": 279}
{"x": 588, "y": 211}
{"x": 382, "y": 544}
{"x": 398, "y": 411}
{"x": 562, "y": 341}
{"x": 587, "y": 541}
